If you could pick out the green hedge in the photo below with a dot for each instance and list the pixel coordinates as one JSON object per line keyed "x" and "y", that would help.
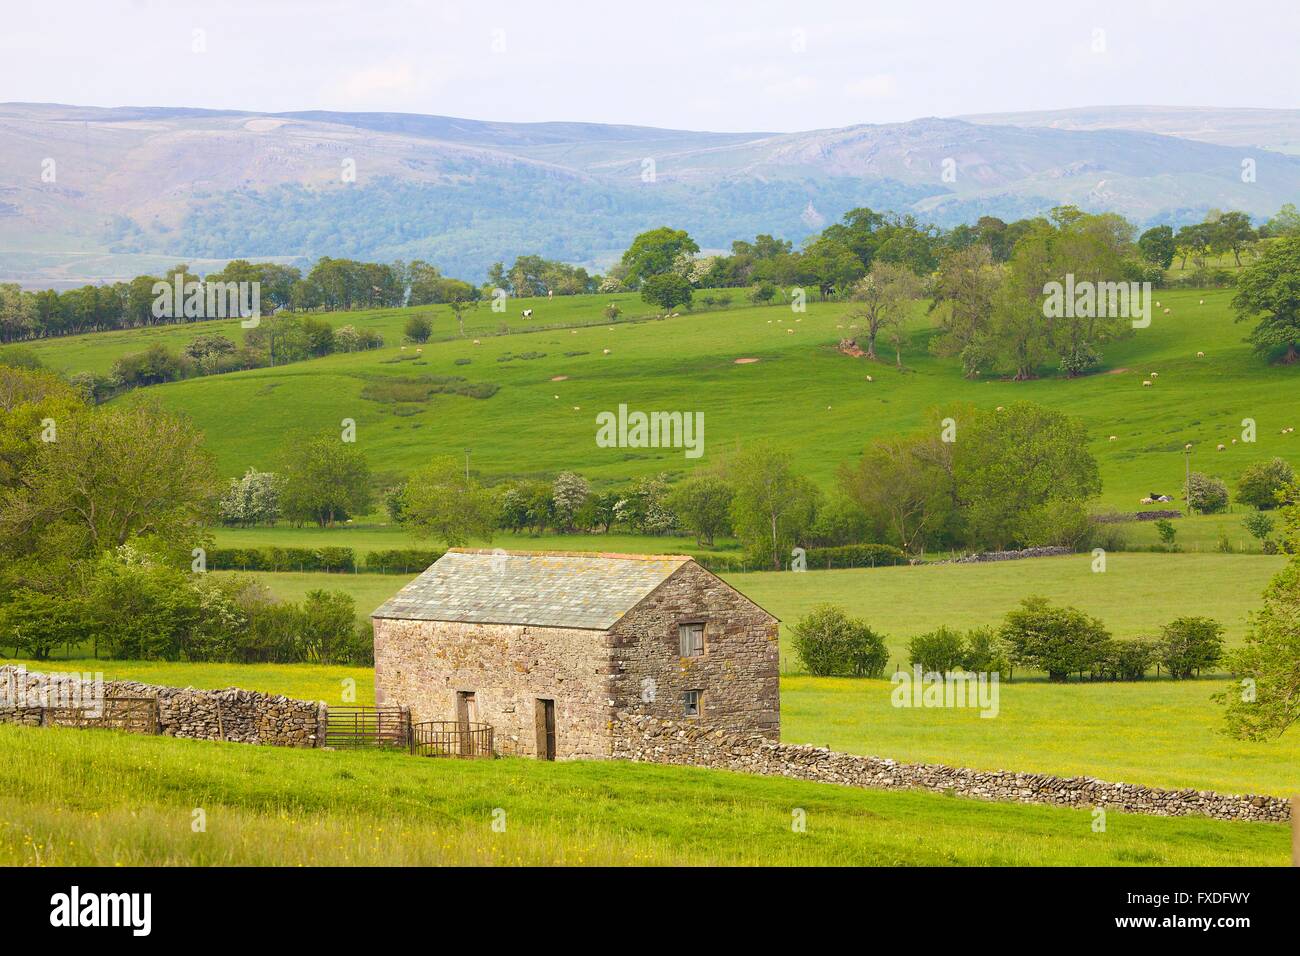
{"x": 282, "y": 559}
{"x": 396, "y": 561}
{"x": 401, "y": 560}
{"x": 818, "y": 559}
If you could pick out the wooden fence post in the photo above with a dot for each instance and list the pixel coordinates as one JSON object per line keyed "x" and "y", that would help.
{"x": 1295, "y": 831}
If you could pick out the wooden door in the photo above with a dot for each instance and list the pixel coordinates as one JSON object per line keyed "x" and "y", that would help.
{"x": 466, "y": 716}
{"x": 545, "y": 729}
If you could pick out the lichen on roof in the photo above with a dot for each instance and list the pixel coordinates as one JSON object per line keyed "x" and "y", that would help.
{"x": 538, "y": 588}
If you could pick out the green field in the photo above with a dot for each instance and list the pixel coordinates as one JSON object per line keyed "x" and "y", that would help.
{"x": 101, "y": 798}
{"x": 802, "y": 394}
{"x": 1138, "y": 593}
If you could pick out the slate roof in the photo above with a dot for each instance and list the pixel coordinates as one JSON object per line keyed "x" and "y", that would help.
{"x": 539, "y": 588}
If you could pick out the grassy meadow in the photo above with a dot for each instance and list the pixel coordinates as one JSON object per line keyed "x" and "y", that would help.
{"x": 107, "y": 799}
{"x": 801, "y": 393}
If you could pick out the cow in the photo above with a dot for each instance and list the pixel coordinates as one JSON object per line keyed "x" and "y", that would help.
{"x": 527, "y": 313}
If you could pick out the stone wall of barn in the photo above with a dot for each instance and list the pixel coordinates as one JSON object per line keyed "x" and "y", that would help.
{"x": 738, "y": 674}
{"x": 508, "y": 667}
{"x": 241, "y": 716}
{"x": 647, "y": 739}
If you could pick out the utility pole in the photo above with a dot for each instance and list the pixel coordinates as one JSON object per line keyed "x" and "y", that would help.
{"x": 467, "y": 451}
{"x": 1187, "y": 479}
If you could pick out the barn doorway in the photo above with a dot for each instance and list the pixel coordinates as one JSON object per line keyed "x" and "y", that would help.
{"x": 545, "y": 729}
{"x": 466, "y": 716}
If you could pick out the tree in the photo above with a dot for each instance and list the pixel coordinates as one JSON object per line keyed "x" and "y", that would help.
{"x": 1010, "y": 464}
{"x": 1259, "y": 525}
{"x": 1205, "y": 494}
{"x": 418, "y": 328}
{"x": 1059, "y": 640}
{"x": 883, "y": 298}
{"x": 702, "y": 504}
{"x": 653, "y": 253}
{"x": 1260, "y": 483}
{"x": 1157, "y": 246}
{"x": 1190, "y": 645}
{"x": 29, "y": 400}
{"x": 1230, "y": 232}
{"x": 964, "y": 290}
{"x": 1266, "y": 701}
{"x": 830, "y": 643}
{"x": 206, "y": 351}
{"x": 569, "y": 492}
{"x": 772, "y": 506}
{"x": 440, "y": 502}
{"x": 667, "y": 291}
{"x": 938, "y": 651}
{"x": 1019, "y": 338}
{"x": 904, "y": 484}
{"x": 326, "y": 480}
{"x": 115, "y": 474}
{"x": 1269, "y": 288}
{"x": 253, "y": 499}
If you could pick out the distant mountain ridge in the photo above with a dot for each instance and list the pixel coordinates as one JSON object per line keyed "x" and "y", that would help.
{"x": 93, "y": 194}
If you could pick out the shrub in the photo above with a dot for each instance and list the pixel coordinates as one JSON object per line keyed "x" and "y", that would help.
{"x": 1191, "y": 644}
{"x": 1127, "y": 660}
{"x": 939, "y": 651}
{"x": 418, "y": 328}
{"x": 984, "y": 652}
{"x": 830, "y": 643}
{"x": 1206, "y": 494}
{"x": 281, "y": 559}
{"x": 1167, "y": 531}
{"x": 1060, "y": 523}
{"x": 1058, "y": 640}
{"x": 1260, "y": 483}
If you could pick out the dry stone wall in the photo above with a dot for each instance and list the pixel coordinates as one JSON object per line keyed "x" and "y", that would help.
{"x": 648, "y": 739}
{"x": 241, "y": 716}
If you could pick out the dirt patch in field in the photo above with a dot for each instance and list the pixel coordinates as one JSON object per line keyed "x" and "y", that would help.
{"x": 559, "y": 378}
{"x": 1117, "y": 371}
{"x": 745, "y": 361}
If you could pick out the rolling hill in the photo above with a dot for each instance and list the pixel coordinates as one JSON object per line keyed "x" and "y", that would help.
{"x": 801, "y": 394}
{"x": 92, "y": 194}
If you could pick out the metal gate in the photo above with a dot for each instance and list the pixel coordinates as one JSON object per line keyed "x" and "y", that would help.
{"x": 354, "y": 727}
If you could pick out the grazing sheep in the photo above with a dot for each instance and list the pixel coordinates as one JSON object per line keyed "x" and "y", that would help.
{"x": 1114, "y": 438}
{"x": 1234, "y": 441}
{"x": 1155, "y": 374}
{"x": 1200, "y": 355}
{"x": 527, "y": 313}
{"x": 1147, "y": 383}
{"x": 606, "y": 351}
{"x": 789, "y": 331}
{"x": 1202, "y": 302}
{"x": 1166, "y": 311}
{"x": 1221, "y": 446}
{"x": 1157, "y": 303}
{"x": 870, "y": 379}
{"x": 1147, "y": 501}
{"x": 999, "y": 408}
{"x": 476, "y": 341}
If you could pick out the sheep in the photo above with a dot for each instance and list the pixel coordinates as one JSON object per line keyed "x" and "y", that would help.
{"x": 1114, "y": 438}
{"x": 1202, "y": 302}
{"x": 1147, "y": 383}
{"x": 1234, "y": 441}
{"x": 1166, "y": 311}
{"x": 789, "y": 331}
{"x": 1147, "y": 501}
{"x": 606, "y": 351}
{"x": 1221, "y": 446}
{"x": 1200, "y": 355}
{"x": 870, "y": 379}
{"x": 1155, "y": 374}
{"x": 527, "y": 313}
{"x": 476, "y": 341}
{"x": 998, "y": 409}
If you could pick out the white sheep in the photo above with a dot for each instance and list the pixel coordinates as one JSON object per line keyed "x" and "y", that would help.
{"x": 1147, "y": 383}
{"x": 870, "y": 379}
{"x": 1221, "y": 446}
{"x": 1200, "y": 355}
{"x": 1114, "y": 438}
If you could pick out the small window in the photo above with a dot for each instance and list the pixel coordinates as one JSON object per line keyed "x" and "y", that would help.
{"x": 691, "y": 703}
{"x": 691, "y": 638}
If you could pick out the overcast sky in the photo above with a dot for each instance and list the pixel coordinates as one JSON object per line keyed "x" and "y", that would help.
{"x": 704, "y": 64}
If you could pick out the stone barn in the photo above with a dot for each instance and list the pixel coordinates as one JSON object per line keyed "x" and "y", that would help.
{"x": 548, "y": 646}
